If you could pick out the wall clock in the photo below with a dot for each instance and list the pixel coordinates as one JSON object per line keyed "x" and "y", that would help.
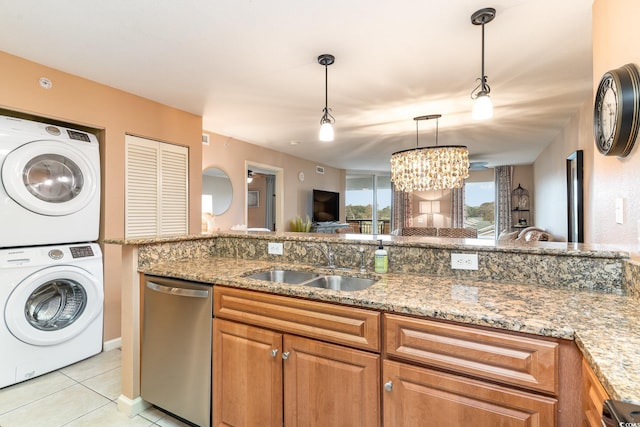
{"x": 616, "y": 113}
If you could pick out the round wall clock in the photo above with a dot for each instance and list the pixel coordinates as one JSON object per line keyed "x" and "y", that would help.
{"x": 616, "y": 113}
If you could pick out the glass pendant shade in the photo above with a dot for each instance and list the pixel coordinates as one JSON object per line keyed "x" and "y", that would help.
{"x": 430, "y": 168}
{"x": 482, "y": 107}
{"x": 326, "y": 132}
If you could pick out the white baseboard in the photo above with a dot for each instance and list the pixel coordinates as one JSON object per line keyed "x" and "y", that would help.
{"x": 112, "y": 344}
{"x": 132, "y": 407}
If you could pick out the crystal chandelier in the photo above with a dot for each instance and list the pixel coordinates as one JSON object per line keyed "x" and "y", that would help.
{"x": 430, "y": 168}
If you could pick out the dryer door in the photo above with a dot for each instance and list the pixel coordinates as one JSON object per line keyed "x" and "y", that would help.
{"x": 53, "y": 305}
{"x": 50, "y": 178}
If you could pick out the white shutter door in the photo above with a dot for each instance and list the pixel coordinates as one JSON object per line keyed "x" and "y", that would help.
{"x": 174, "y": 194}
{"x": 141, "y": 188}
{"x": 156, "y": 188}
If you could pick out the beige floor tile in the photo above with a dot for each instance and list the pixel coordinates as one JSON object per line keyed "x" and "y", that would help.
{"x": 93, "y": 366}
{"x": 152, "y": 414}
{"x": 56, "y": 409}
{"x": 107, "y": 384}
{"x": 21, "y": 394}
{"x": 109, "y": 416}
{"x": 169, "y": 421}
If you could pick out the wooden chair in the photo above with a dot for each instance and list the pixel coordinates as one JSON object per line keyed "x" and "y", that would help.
{"x": 460, "y": 232}
{"x": 419, "y": 231}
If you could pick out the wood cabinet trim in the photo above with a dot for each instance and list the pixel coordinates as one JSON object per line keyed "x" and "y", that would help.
{"x": 507, "y": 358}
{"x": 593, "y": 396}
{"x": 350, "y": 326}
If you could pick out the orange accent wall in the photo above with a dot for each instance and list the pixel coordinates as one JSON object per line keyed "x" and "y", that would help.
{"x": 79, "y": 101}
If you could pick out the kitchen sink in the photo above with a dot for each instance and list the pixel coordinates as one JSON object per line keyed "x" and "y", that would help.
{"x": 316, "y": 280}
{"x": 341, "y": 283}
{"x": 291, "y": 277}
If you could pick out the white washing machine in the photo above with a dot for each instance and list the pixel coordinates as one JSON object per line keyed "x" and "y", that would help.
{"x": 50, "y": 184}
{"x": 51, "y": 299}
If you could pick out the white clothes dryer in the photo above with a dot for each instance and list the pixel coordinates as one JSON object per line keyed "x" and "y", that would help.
{"x": 50, "y": 176}
{"x": 51, "y": 299}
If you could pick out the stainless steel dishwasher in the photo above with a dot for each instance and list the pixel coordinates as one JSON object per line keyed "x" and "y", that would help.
{"x": 176, "y": 347}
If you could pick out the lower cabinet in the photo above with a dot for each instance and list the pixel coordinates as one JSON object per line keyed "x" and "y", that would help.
{"x": 419, "y": 396}
{"x": 593, "y": 397}
{"x": 263, "y": 377}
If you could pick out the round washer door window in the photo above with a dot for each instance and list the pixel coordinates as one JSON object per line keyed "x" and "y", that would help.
{"x": 50, "y": 178}
{"x": 53, "y": 305}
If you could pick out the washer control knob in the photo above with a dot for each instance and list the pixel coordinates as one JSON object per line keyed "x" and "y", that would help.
{"x": 53, "y": 130}
{"x": 56, "y": 254}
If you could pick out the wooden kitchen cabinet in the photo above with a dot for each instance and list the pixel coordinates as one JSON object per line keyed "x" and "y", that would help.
{"x": 420, "y": 396}
{"x": 264, "y": 377}
{"x": 593, "y": 396}
{"x": 247, "y": 375}
{"x": 456, "y": 375}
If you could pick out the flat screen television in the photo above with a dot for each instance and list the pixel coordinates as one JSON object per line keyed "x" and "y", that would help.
{"x": 326, "y": 206}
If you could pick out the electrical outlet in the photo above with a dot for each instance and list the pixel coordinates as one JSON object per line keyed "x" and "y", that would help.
{"x": 464, "y": 261}
{"x": 275, "y": 248}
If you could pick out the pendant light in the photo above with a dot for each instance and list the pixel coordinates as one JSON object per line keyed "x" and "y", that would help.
{"x": 327, "y": 120}
{"x": 482, "y": 108}
{"x": 430, "y": 168}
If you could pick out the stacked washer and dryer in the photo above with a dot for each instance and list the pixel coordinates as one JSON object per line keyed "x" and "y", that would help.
{"x": 51, "y": 280}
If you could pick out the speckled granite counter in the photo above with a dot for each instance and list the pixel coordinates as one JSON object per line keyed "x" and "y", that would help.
{"x": 604, "y": 326}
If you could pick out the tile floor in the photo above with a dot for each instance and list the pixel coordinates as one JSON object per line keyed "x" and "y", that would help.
{"x": 82, "y": 394}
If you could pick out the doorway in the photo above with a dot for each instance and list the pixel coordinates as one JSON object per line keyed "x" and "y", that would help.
{"x": 264, "y": 197}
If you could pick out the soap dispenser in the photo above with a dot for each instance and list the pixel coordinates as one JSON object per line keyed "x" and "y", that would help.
{"x": 381, "y": 260}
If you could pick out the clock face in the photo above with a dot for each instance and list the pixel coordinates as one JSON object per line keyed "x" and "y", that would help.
{"x": 616, "y": 112}
{"x": 606, "y": 110}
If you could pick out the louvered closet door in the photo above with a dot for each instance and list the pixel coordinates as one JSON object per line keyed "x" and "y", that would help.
{"x": 156, "y": 201}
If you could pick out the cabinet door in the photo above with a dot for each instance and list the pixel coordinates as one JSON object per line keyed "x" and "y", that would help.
{"x": 418, "y": 396}
{"x": 593, "y": 397}
{"x": 330, "y": 385}
{"x": 247, "y": 375}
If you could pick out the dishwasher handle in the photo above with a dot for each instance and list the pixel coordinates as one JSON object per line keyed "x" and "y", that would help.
{"x": 172, "y": 290}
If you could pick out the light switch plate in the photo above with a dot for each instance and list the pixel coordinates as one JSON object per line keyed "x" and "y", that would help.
{"x": 464, "y": 261}
{"x": 275, "y": 248}
{"x": 619, "y": 210}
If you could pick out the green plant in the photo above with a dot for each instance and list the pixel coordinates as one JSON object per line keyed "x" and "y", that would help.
{"x": 299, "y": 225}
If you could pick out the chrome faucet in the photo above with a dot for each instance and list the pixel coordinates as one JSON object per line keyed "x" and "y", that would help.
{"x": 328, "y": 253}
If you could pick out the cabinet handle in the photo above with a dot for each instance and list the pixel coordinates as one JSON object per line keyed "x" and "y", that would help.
{"x": 274, "y": 352}
{"x": 388, "y": 386}
{"x": 285, "y": 355}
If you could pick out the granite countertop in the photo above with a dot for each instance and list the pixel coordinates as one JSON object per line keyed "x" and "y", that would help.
{"x": 605, "y": 327}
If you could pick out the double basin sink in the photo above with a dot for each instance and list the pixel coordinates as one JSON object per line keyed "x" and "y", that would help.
{"x": 316, "y": 280}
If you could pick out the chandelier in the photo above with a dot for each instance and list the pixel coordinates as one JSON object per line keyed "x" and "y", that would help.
{"x": 430, "y": 168}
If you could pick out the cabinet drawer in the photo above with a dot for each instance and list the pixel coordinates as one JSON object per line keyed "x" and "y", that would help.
{"x": 350, "y": 326}
{"x": 510, "y": 359}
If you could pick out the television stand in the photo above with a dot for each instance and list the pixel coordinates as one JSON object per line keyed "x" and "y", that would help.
{"x": 327, "y": 227}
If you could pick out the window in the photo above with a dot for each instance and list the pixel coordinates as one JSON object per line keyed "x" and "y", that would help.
{"x": 156, "y": 193}
{"x": 479, "y": 205}
{"x": 363, "y": 193}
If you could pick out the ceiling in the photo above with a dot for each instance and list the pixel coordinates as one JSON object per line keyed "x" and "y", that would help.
{"x": 250, "y": 68}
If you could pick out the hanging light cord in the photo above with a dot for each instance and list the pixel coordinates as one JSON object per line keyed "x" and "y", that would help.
{"x": 483, "y": 85}
{"x": 326, "y": 117}
{"x": 429, "y": 117}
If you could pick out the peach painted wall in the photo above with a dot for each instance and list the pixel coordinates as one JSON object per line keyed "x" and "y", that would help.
{"x": 615, "y": 43}
{"x": 75, "y": 100}
{"x": 551, "y": 179}
{"x": 229, "y": 154}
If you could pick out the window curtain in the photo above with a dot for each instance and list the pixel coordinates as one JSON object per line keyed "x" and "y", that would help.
{"x": 402, "y": 216}
{"x": 457, "y": 207}
{"x": 269, "y": 216}
{"x": 504, "y": 178}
